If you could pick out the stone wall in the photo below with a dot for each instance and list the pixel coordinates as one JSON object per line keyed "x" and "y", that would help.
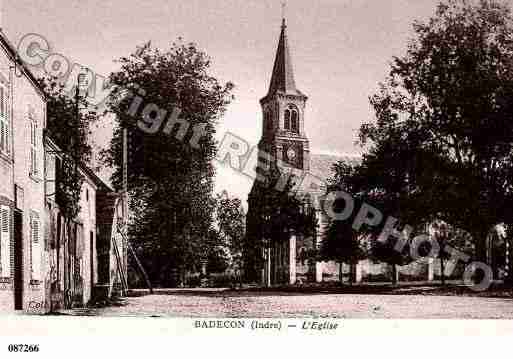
{"x": 25, "y": 106}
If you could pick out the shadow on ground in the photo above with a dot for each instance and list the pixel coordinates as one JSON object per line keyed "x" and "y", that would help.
{"x": 497, "y": 290}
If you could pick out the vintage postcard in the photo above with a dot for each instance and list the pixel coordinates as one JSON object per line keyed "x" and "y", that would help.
{"x": 241, "y": 168}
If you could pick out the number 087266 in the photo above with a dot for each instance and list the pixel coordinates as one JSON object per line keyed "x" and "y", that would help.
{"x": 23, "y": 348}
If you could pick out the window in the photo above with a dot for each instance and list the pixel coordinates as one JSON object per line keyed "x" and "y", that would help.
{"x": 5, "y": 241}
{"x": 35, "y": 241}
{"x": 5, "y": 128}
{"x": 287, "y": 119}
{"x": 33, "y": 148}
{"x": 295, "y": 127}
{"x": 292, "y": 119}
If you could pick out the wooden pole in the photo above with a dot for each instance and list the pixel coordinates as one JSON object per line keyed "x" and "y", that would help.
{"x": 141, "y": 268}
{"x": 125, "y": 201}
{"x": 125, "y": 172}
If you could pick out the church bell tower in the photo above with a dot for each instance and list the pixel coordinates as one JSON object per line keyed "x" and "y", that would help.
{"x": 285, "y": 143}
{"x": 283, "y": 109}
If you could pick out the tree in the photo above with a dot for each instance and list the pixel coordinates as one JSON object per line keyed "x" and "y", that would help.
{"x": 218, "y": 257}
{"x": 497, "y": 249}
{"x": 231, "y": 221}
{"x": 387, "y": 252}
{"x": 341, "y": 242}
{"x": 509, "y": 244}
{"x": 446, "y": 235}
{"x": 275, "y": 214}
{"x": 446, "y": 113}
{"x": 382, "y": 180}
{"x": 170, "y": 172}
{"x": 68, "y": 125}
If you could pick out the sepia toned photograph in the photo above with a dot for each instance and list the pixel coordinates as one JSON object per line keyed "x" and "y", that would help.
{"x": 262, "y": 164}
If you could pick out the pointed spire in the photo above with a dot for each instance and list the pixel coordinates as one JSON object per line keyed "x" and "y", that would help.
{"x": 1, "y": 14}
{"x": 283, "y": 75}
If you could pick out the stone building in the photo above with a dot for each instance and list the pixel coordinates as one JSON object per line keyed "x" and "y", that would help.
{"x": 47, "y": 262}
{"x": 22, "y": 120}
{"x": 72, "y": 266}
{"x": 285, "y": 146}
{"x": 87, "y": 254}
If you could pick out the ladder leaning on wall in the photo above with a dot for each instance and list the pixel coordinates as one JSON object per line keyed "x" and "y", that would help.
{"x": 137, "y": 261}
{"x": 120, "y": 267}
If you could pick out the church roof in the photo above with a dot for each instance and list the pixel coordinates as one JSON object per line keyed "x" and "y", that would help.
{"x": 321, "y": 166}
{"x": 282, "y": 79}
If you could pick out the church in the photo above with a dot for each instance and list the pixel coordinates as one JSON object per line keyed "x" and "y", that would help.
{"x": 284, "y": 140}
{"x": 290, "y": 257}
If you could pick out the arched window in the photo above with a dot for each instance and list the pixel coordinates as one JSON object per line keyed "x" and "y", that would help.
{"x": 287, "y": 119}
{"x": 295, "y": 124}
{"x": 292, "y": 118}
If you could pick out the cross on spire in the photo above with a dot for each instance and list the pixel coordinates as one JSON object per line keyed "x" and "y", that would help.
{"x": 283, "y": 10}
{"x": 1, "y": 14}
{"x": 282, "y": 78}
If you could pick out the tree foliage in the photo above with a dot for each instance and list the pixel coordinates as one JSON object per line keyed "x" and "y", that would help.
{"x": 68, "y": 125}
{"x": 341, "y": 242}
{"x": 230, "y": 218}
{"x": 444, "y": 121}
{"x": 274, "y": 214}
{"x": 170, "y": 172}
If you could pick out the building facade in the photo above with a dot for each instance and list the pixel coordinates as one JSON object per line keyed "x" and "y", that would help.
{"x": 87, "y": 254}
{"x": 47, "y": 262}
{"x": 22, "y": 242}
{"x": 72, "y": 264}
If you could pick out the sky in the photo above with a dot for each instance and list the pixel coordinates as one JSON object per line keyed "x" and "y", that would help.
{"x": 341, "y": 50}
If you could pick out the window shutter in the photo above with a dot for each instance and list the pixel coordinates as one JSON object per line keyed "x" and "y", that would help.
{"x": 31, "y": 147}
{"x": 7, "y": 123}
{"x": 7, "y": 146}
{"x": 3, "y": 119}
{"x": 31, "y": 157}
{"x": 2, "y": 100}
{"x": 35, "y": 149}
{"x": 36, "y": 249}
{"x": 5, "y": 241}
{"x": 287, "y": 120}
{"x": 31, "y": 160}
{"x": 2, "y": 134}
{"x": 294, "y": 120}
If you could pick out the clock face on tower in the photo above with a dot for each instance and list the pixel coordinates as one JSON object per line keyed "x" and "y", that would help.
{"x": 292, "y": 155}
